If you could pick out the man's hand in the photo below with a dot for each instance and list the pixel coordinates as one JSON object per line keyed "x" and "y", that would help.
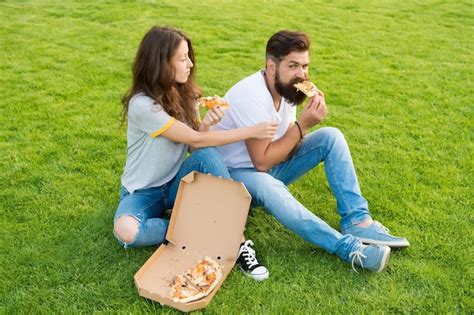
{"x": 314, "y": 112}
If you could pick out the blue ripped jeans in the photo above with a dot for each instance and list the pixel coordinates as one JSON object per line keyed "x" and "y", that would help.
{"x": 147, "y": 205}
{"x": 270, "y": 191}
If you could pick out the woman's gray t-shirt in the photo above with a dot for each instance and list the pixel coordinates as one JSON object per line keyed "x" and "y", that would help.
{"x": 152, "y": 160}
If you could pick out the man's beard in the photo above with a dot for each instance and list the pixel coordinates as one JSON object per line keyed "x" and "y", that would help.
{"x": 288, "y": 91}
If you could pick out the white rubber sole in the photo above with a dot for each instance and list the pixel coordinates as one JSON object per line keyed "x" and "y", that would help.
{"x": 393, "y": 244}
{"x": 257, "y": 277}
{"x": 385, "y": 258}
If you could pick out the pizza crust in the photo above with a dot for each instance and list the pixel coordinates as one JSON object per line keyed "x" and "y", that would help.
{"x": 307, "y": 87}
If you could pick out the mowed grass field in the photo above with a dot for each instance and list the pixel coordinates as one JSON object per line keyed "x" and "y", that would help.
{"x": 398, "y": 78}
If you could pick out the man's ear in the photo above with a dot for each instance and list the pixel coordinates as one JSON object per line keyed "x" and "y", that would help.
{"x": 271, "y": 66}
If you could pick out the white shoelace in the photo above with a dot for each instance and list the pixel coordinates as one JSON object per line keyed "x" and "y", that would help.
{"x": 357, "y": 255}
{"x": 249, "y": 253}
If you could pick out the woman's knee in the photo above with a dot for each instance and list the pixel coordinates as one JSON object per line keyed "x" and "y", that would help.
{"x": 205, "y": 153}
{"x": 211, "y": 161}
{"x": 126, "y": 228}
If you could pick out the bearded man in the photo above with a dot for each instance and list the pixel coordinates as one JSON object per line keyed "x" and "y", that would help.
{"x": 268, "y": 166}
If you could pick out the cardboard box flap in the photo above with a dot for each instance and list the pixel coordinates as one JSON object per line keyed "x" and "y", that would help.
{"x": 209, "y": 216}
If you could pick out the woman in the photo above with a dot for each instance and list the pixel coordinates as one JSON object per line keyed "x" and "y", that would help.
{"x": 163, "y": 123}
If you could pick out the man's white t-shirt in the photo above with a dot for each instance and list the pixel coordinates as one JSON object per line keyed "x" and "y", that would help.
{"x": 251, "y": 103}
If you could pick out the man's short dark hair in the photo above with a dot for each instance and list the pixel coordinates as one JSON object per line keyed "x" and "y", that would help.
{"x": 285, "y": 42}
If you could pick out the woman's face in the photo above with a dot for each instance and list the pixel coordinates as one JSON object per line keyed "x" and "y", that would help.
{"x": 181, "y": 63}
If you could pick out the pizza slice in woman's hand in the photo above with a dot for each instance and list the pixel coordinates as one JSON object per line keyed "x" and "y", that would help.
{"x": 213, "y": 101}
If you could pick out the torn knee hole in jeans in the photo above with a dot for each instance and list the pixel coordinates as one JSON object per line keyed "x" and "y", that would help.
{"x": 126, "y": 228}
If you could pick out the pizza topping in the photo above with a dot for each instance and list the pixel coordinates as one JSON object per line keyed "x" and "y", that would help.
{"x": 213, "y": 101}
{"x": 196, "y": 282}
{"x": 307, "y": 87}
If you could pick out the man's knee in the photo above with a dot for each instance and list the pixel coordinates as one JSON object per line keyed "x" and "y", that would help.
{"x": 126, "y": 228}
{"x": 331, "y": 138}
{"x": 332, "y": 133}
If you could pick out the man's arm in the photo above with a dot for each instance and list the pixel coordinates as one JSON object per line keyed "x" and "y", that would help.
{"x": 265, "y": 154}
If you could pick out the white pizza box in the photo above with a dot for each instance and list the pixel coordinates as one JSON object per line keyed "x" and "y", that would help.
{"x": 208, "y": 219}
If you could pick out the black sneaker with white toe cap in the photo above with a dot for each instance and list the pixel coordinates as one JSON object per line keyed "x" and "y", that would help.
{"x": 248, "y": 262}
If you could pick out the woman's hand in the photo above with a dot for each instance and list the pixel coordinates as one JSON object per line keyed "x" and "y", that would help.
{"x": 212, "y": 117}
{"x": 265, "y": 130}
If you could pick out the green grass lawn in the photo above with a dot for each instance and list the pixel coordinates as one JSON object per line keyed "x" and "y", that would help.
{"x": 398, "y": 76}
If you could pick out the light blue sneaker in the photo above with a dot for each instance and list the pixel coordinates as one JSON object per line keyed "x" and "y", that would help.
{"x": 376, "y": 234}
{"x": 370, "y": 257}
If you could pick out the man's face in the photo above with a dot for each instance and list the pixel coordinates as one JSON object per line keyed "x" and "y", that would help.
{"x": 292, "y": 69}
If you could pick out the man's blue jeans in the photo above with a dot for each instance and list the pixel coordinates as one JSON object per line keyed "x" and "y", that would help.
{"x": 147, "y": 205}
{"x": 270, "y": 191}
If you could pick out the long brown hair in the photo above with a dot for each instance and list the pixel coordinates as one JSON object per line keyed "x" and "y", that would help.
{"x": 153, "y": 74}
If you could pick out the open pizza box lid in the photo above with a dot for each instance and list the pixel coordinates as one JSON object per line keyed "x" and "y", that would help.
{"x": 208, "y": 219}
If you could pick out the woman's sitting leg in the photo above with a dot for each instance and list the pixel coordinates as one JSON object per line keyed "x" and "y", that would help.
{"x": 138, "y": 219}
